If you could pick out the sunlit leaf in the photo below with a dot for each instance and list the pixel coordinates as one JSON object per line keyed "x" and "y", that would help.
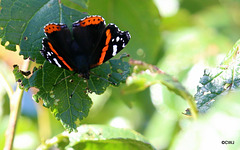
{"x": 98, "y": 137}
{"x": 145, "y": 75}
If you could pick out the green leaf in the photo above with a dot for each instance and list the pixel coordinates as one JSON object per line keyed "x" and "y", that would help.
{"x": 82, "y": 3}
{"x": 145, "y": 75}
{"x": 68, "y": 110}
{"x": 96, "y": 137}
{"x": 14, "y": 18}
{"x": 22, "y": 22}
{"x": 218, "y": 81}
{"x": 114, "y": 73}
{"x": 140, "y": 18}
{"x": 20, "y": 77}
{"x": 71, "y": 110}
{"x": 76, "y": 3}
{"x": 67, "y": 99}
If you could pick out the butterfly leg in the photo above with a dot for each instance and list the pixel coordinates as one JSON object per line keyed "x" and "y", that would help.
{"x": 64, "y": 78}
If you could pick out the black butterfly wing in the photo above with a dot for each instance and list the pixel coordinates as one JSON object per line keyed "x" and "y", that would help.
{"x": 112, "y": 42}
{"x": 93, "y": 44}
{"x": 50, "y": 53}
{"x": 87, "y": 32}
{"x": 57, "y": 46}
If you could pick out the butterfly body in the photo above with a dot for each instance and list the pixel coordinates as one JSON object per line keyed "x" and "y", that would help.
{"x": 90, "y": 44}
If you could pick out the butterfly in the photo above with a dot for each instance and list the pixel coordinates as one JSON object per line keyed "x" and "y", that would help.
{"x": 90, "y": 44}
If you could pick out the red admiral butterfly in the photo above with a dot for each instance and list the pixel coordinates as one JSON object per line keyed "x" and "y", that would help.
{"x": 93, "y": 43}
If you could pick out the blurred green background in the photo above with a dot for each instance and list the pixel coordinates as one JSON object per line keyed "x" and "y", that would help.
{"x": 181, "y": 37}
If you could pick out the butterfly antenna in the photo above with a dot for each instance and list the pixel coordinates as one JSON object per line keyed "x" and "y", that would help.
{"x": 102, "y": 78}
{"x": 65, "y": 78}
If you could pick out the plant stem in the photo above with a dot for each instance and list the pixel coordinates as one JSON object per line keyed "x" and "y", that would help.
{"x": 6, "y": 85}
{"x": 15, "y": 107}
{"x": 193, "y": 108}
{"x": 62, "y": 137}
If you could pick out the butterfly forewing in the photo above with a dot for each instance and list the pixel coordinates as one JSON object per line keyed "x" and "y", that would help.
{"x": 57, "y": 46}
{"x": 60, "y": 35}
{"x": 50, "y": 53}
{"x": 87, "y": 32}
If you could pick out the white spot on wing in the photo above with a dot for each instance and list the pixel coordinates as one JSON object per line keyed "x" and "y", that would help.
{"x": 55, "y": 60}
{"x": 114, "y": 50}
{"x": 117, "y": 38}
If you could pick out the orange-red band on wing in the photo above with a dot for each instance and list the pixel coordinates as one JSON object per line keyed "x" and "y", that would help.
{"x": 51, "y": 28}
{"x": 104, "y": 50}
{"x": 63, "y": 61}
{"x": 109, "y": 36}
{"x": 93, "y": 20}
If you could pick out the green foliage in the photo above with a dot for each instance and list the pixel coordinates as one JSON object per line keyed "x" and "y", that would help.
{"x": 71, "y": 110}
{"x": 23, "y": 25}
{"x": 82, "y": 3}
{"x": 221, "y": 123}
{"x": 198, "y": 5}
{"x": 218, "y": 81}
{"x": 97, "y": 137}
{"x": 145, "y": 75}
{"x": 142, "y": 22}
{"x": 56, "y": 94}
{"x": 181, "y": 45}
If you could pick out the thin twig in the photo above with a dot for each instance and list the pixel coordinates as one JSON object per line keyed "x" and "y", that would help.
{"x": 6, "y": 85}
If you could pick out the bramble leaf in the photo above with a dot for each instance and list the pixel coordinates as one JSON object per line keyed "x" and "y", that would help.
{"x": 220, "y": 80}
{"x": 98, "y": 137}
